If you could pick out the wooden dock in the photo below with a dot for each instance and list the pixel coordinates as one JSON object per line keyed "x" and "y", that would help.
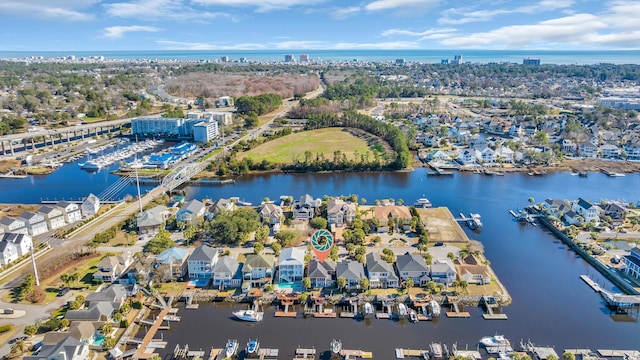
{"x": 141, "y": 352}
{"x": 325, "y": 315}
{"x": 355, "y": 354}
{"x": 405, "y": 353}
{"x": 216, "y": 354}
{"x": 302, "y": 353}
{"x": 345, "y": 314}
{"x": 266, "y": 354}
{"x": 591, "y": 283}
{"x": 287, "y": 314}
{"x": 612, "y": 353}
{"x": 383, "y": 315}
{"x": 461, "y": 314}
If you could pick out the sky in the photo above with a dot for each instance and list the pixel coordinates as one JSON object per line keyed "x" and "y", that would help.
{"x": 66, "y": 25}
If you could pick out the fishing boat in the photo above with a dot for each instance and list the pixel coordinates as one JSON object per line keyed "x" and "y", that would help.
{"x": 436, "y": 350}
{"x": 494, "y": 341}
{"x": 336, "y": 346}
{"x": 231, "y": 348}
{"x": 434, "y": 307}
{"x": 474, "y": 222}
{"x": 248, "y": 315}
{"x": 368, "y": 310}
{"x": 402, "y": 311}
{"x": 422, "y": 203}
{"x": 252, "y": 348}
{"x": 413, "y": 316}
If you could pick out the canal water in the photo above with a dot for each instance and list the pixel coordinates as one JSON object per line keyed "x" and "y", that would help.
{"x": 551, "y": 305}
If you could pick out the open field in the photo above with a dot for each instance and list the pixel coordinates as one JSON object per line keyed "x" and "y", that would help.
{"x": 14, "y": 210}
{"x": 441, "y": 225}
{"x": 285, "y": 149}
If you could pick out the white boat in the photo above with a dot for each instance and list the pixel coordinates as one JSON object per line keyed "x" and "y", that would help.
{"x": 474, "y": 221}
{"x": 231, "y": 348}
{"x": 402, "y": 311}
{"x": 248, "y": 315}
{"x": 368, "y": 310}
{"x": 435, "y": 308}
{"x": 422, "y": 203}
{"x": 91, "y": 165}
{"x": 252, "y": 348}
{"x": 494, "y": 341}
{"x": 336, "y": 346}
{"x": 413, "y": 316}
{"x": 436, "y": 350}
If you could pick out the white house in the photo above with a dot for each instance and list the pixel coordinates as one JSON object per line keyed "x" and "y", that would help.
{"x": 13, "y": 246}
{"x": 587, "y": 210}
{"x": 90, "y": 206}
{"x": 632, "y": 263}
{"x": 200, "y": 263}
{"x": 291, "y": 264}
{"x": 609, "y": 151}
{"x": 306, "y": 208}
{"x": 36, "y": 223}
{"x": 111, "y": 267}
{"x": 12, "y": 225}
{"x": 587, "y": 149}
{"x": 504, "y": 154}
{"x": 486, "y": 155}
{"x": 226, "y": 272}
{"x": 381, "y": 273}
{"x": 467, "y": 156}
{"x": 67, "y": 349}
{"x": 71, "y": 211}
{"x": 443, "y": 271}
{"x": 53, "y": 216}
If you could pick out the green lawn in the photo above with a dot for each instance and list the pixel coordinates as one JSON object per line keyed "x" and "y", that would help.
{"x": 292, "y": 147}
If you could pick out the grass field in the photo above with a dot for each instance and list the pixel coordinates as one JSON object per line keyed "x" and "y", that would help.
{"x": 285, "y": 149}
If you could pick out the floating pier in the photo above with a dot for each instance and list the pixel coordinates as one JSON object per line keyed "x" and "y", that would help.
{"x": 490, "y": 304}
{"x": 302, "y": 353}
{"x": 268, "y": 354}
{"x": 405, "y": 353}
{"x": 355, "y": 354}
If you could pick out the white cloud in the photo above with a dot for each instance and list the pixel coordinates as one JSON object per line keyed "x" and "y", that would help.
{"x": 395, "y": 4}
{"x": 344, "y": 13}
{"x": 392, "y": 45}
{"x": 68, "y": 10}
{"x": 117, "y": 32}
{"x": 260, "y": 5}
{"x": 429, "y": 32}
{"x": 464, "y": 15}
{"x": 618, "y": 15}
{"x": 161, "y": 9}
{"x": 181, "y": 45}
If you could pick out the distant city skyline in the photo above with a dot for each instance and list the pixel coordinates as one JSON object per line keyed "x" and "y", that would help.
{"x": 298, "y": 25}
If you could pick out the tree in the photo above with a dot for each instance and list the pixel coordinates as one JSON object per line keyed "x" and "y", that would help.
{"x": 262, "y": 234}
{"x": 318, "y": 222}
{"x": 451, "y": 256}
{"x": 160, "y": 242}
{"x": 276, "y": 247}
{"x": 190, "y": 233}
{"x": 30, "y": 330}
{"x": 363, "y": 201}
{"x": 65, "y": 279}
{"x": 364, "y": 283}
{"x": 258, "y": 248}
{"x": 20, "y": 346}
{"x": 117, "y": 317}
{"x": 106, "y": 328}
{"x": 306, "y": 282}
{"x": 408, "y": 284}
{"x": 568, "y": 356}
{"x": 108, "y": 342}
{"x": 463, "y": 285}
{"x": 531, "y": 200}
{"x": 125, "y": 308}
{"x": 341, "y": 282}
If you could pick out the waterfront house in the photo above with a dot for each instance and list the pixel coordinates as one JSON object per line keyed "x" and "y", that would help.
{"x": 151, "y": 221}
{"x": 53, "y": 216}
{"x": 571, "y": 217}
{"x": 609, "y": 151}
{"x": 71, "y": 211}
{"x": 486, "y": 156}
{"x": 200, "y": 263}
{"x": 381, "y": 274}
{"x": 322, "y": 273}
{"x": 568, "y": 146}
{"x": 442, "y": 271}
{"x": 291, "y": 264}
{"x": 271, "y": 214}
{"x": 222, "y": 205}
{"x": 466, "y": 156}
{"x": 176, "y": 260}
{"x": 112, "y": 267}
{"x": 632, "y": 263}
{"x": 587, "y": 149}
{"x": 90, "y": 206}
{"x": 632, "y": 151}
{"x": 615, "y": 211}
{"x": 99, "y": 311}
{"x": 67, "y": 349}
{"x": 13, "y": 246}
{"x": 399, "y": 216}
{"x": 306, "y": 207}
{"x": 137, "y": 273}
{"x": 413, "y": 266}
{"x": 12, "y": 225}
{"x": 36, "y": 223}
{"x": 471, "y": 270}
{"x": 438, "y": 156}
{"x": 352, "y": 271}
{"x": 557, "y": 207}
{"x": 340, "y": 212}
{"x": 115, "y": 294}
{"x": 258, "y": 269}
{"x": 191, "y": 211}
{"x": 83, "y": 331}
{"x": 227, "y": 272}
{"x": 587, "y": 210}
{"x": 478, "y": 142}
{"x": 504, "y": 154}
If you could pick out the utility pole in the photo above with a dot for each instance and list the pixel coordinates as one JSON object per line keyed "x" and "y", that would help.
{"x": 35, "y": 269}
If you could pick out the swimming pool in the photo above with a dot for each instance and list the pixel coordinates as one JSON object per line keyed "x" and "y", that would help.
{"x": 295, "y": 286}
{"x": 98, "y": 340}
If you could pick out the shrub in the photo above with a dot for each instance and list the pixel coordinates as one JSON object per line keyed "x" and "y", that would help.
{"x": 4, "y": 328}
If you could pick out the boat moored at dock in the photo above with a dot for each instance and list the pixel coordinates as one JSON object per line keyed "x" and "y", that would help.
{"x": 248, "y": 315}
{"x": 494, "y": 341}
{"x": 252, "y": 348}
{"x": 231, "y": 348}
{"x": 336, "y": 346}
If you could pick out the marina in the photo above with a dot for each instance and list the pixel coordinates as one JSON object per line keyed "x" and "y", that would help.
{"x": 103, "y": 161}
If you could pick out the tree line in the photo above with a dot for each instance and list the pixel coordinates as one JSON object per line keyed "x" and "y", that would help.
{"x": 259, "y": 104}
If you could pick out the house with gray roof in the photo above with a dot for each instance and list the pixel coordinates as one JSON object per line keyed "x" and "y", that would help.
{"x": 67, "y": 349}
{"x": 53, "y": 216}
{"x": 191, "y": 211}
{"x": 340, "y": 212}
{"x": 13, "y": 225}
{"x": 200, "y": 263}
{"x": 352, "y": 271}
{"x": 443, "y": 271}
{"x": 90, "y": 206}
{"x": 259, "y": 268}
{"x": 100, "y": 311}
{"x": 322, "y": 273}
{"x": 381, "y": 274}
{"x": 115, "y": 293}
{"x": 271, "y": 214}
{"x": 306, "y": 207}
{"x": 83, "y": 331}
{"x": 588, "y": 210}
{"x": 112, "y": 267}
{"x": 413, "y": 266}
{"x": 36, "y": 223}
{"x": 151, "y": 221}
{"x": 227, "y": 272}
{"x": 222, "y": 205}
{"x": 13, "y": 246}
{"x": 71, "y": 211}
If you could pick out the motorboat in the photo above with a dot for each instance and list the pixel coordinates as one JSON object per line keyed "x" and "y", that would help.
{"x": 474, "y": 221}
{"x": 422, "y": 203}
{"x": 231, "y": 348}
{"x": 336, "y": 346}
{"x": 436, "y": 350}
{"x": 91, "y": 165}
{"x": 413, "y": 316}
{"x": 494, "y": 341}
{"x": 248, "y": 315}
{"x": 402, "y": 311}
{"x": 252, "y": 348}
{"x": 368, "y": 310}
{"x": 434, "y": 307}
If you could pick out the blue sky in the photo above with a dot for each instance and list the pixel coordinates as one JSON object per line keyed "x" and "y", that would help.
{"x": 63, "y": 25}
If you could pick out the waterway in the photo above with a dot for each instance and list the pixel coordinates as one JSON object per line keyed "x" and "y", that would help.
{"x": 551, "y": 305}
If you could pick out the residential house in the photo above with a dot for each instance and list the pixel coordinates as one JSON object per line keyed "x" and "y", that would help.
{"x": 259, "y": 269}
{"x": 632, "y": 151}
{"x": 443, "y": 271}
{"x": 530, "y": 131}
{"x": 137, "y": 273}
{"x": 413, "y": 266}
{"x": 176, "y": 260}
{"x": 271, "y": 214}
{"x": 569, "y": 146}
{"x": 12, "y": 225}
{"x": 99, "y": 311}
{"x": 90, "y": 206}
{"x": 610, "y": 151}
{"x": 340, "y": 212}
{"x": 486, "y": 156}
{"x": 381, "y": 274}
{"x": 71, "y": 211}
{"x": 151, "y": 221}
{"x": 473, "y": 271}
{"x": 191, "y": 211}
{"x": 83, "y": 331}
{"x": 114, "y": 294}
{"x": 13, "y": 246}
{"x": 557, "y": 207}
{"x": 352, "y": 271}
{"x": 291, "y": 264}
{"x": 587, "y": 149}
{"x": 399, "y": 216}
{"x": 504, "y": 154}
{"x": 53, "y": 216}
{"x": 431, "y": 141}
{"x": 67, "y": 349}
{"x": 112, "y": 267}
{"x": 571, "y": 217}
{"x": 587, "y": 210}
{"x": 200, "y": 263}
{"x": 222, "y": 205}
{"x": 227, "y": 272}
{"x": 516, "y": 130}
{"x": 615, "y": 211}
{"x": 478, "y": 142}
{"x": 466, "y": 156}
{"x": 632, "y": 263}
{"x": 36, "y": 223}
{"x": 322, "y": 273}
{"x": 438, "y": 156}
{"x": 306, "y": 207}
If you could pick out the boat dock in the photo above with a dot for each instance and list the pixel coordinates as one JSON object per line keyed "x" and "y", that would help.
{"x": 490, "y": 304}
{"x": 624, "y": 354}
{"x": 539, "y": 352}
{"x": 302, "y": 353}
{"x": 356, "y": 354}
{"x": 268, "y": 354}
{"x": 216, "y": 354}
{"x": 455, "y": 307}
{"x": 405, "y": 353}
{"x": 142, "y": 352}
{"x": 591, "y": 283}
